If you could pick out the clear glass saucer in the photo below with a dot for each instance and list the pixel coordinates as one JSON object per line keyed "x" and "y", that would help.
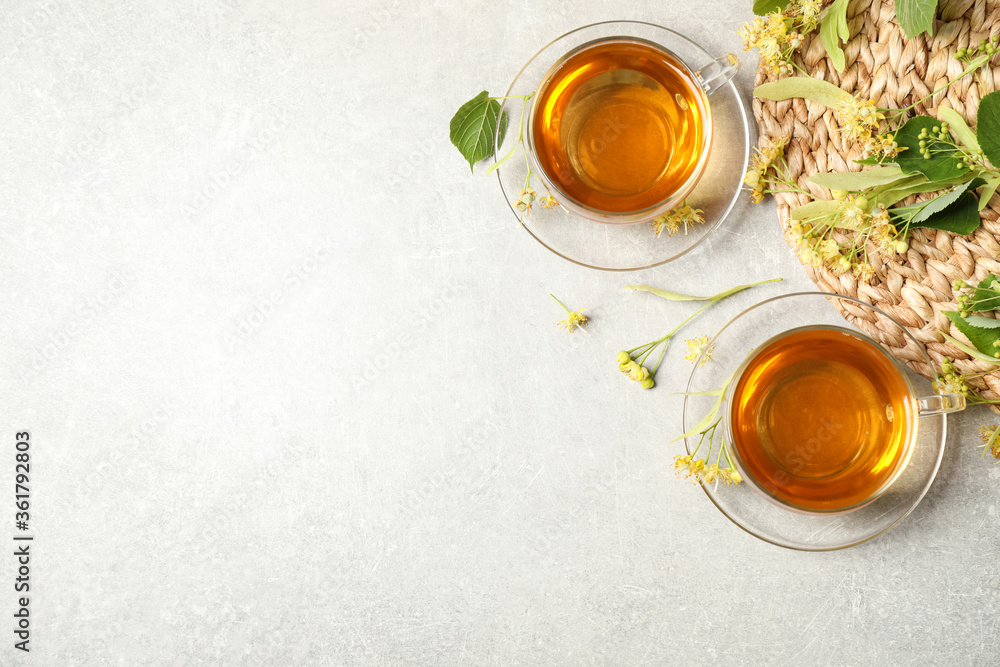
{"x": 748, "y": 508}
{"x": 629, "y": 247}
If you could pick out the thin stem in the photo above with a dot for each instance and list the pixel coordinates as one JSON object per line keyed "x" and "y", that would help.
{"x": 568, "y": 311}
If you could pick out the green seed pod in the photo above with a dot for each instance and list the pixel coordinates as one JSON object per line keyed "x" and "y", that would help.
{"x": 922, "y": 144}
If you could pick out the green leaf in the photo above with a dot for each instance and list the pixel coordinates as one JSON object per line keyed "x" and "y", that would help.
{"x": 983, "y": 322}
{"x": 959, "y": 128}
{"x": 816, "y": 90}
{"x": 988, "y": 191}
{"x": 677, "y": 296}
{"x": 902, "y": 190}
{"x": 473, "y": 128}
{"x": 961, "y": 218}
{"x": 916, "y": 16}
{"x": 988, "y": 127}
{"x": 832, "y": 30}
{"x": 971, "y": 351}
{"x": 942, "y": 164}
{"x": 859, "y": 180}
{"x": 986, "y": 297}
{"x": 761, "y": 7}
{"x": 982, "y": 338}
{"x": 815, "y": 209}
{"x": 922, "y": 211}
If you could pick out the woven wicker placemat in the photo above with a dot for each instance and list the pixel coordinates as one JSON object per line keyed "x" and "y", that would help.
{"x": 883, "y": 65}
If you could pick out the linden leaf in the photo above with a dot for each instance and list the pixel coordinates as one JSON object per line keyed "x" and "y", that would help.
{"x": 921, "y": 185}
{"x": 816, "y": 90}
{"x": 959, "y": 128}
{"x": 916, "y": 16}
{"x": 761, "y": 7}
{"x": 859, "y": 180}
{"x": 832, "y": 30}
{"x": 960, "y": 218}
{"x": 815, "y": 209}
{"x": 943, "y": 163}
{"x": 986, "y": 297}
{"x": 981, "y": 337}
{"x": 922, "y": 211}
{"x": 988, "y": 127}
{"x": 474, "y": 126}
{"x": 983, "y": 322}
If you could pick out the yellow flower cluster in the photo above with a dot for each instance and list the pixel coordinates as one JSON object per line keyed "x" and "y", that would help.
{"x": 695, "y": 346}
{"x": 813, "y": 238}
{"x": 697, "y": 471}
{"x": 778, "y": 34}
{"x": 763, "y": 160}
{"x": 858, "y": 118}
{"x": 991, "y": 443}
{"x": 682, "y": 216}
{"x": 882, "y": 146}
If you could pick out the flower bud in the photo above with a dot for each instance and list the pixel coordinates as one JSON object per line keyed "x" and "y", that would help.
{"x": 648, "y": 383}
{"x": 623, "y": 357}
{"x": 862, "y": 202}
{"x": 901, "y": 246}
{"x": 840, "y": 194}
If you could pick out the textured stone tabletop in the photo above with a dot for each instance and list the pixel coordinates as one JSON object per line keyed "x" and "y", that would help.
{"x": 296, "y": 394}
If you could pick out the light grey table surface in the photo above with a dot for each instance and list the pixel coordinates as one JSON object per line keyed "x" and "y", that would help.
{"x": 296, "y": 394}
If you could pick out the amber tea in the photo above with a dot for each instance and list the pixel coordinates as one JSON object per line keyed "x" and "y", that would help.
{"x": 621, "y": 126}
{"x": 822, "y": 419}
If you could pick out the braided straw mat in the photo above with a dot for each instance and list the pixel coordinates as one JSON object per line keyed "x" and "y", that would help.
{"x": 883, "y": 65}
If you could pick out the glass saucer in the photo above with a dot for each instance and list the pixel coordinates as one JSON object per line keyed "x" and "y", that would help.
{"x": 629, "y": 247}
{"x": 749, "y": 509}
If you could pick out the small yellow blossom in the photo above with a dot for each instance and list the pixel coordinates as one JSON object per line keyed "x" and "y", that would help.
{"x": 711, "y": 473}
{"x": 864, "y": 272}
{"x": 574, "y": 318}
{"x": 635, "y": 371}
{"x": 683, "y": 216}
{"x": 881, "y": 146}
{"x": 548, "y": 201}
{"x": 858, "y": 118}
{"x": 764, "y": 158}
{"x": 991, "y": 441}
{"x": 731, "y": 476}
{"x": 695, "y": 346}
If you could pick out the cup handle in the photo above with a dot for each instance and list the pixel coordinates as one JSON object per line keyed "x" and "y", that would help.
{"x": 717, "y": 73}
{"x": 940, "y": 404}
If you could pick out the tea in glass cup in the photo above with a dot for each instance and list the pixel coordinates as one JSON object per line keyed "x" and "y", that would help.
{"x": 620, "y": 128}
{"x": 822, "y": 419}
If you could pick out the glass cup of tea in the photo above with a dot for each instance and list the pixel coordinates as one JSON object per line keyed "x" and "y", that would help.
{"x": 821, "y": 419}
{"x": 620, "y": 128}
